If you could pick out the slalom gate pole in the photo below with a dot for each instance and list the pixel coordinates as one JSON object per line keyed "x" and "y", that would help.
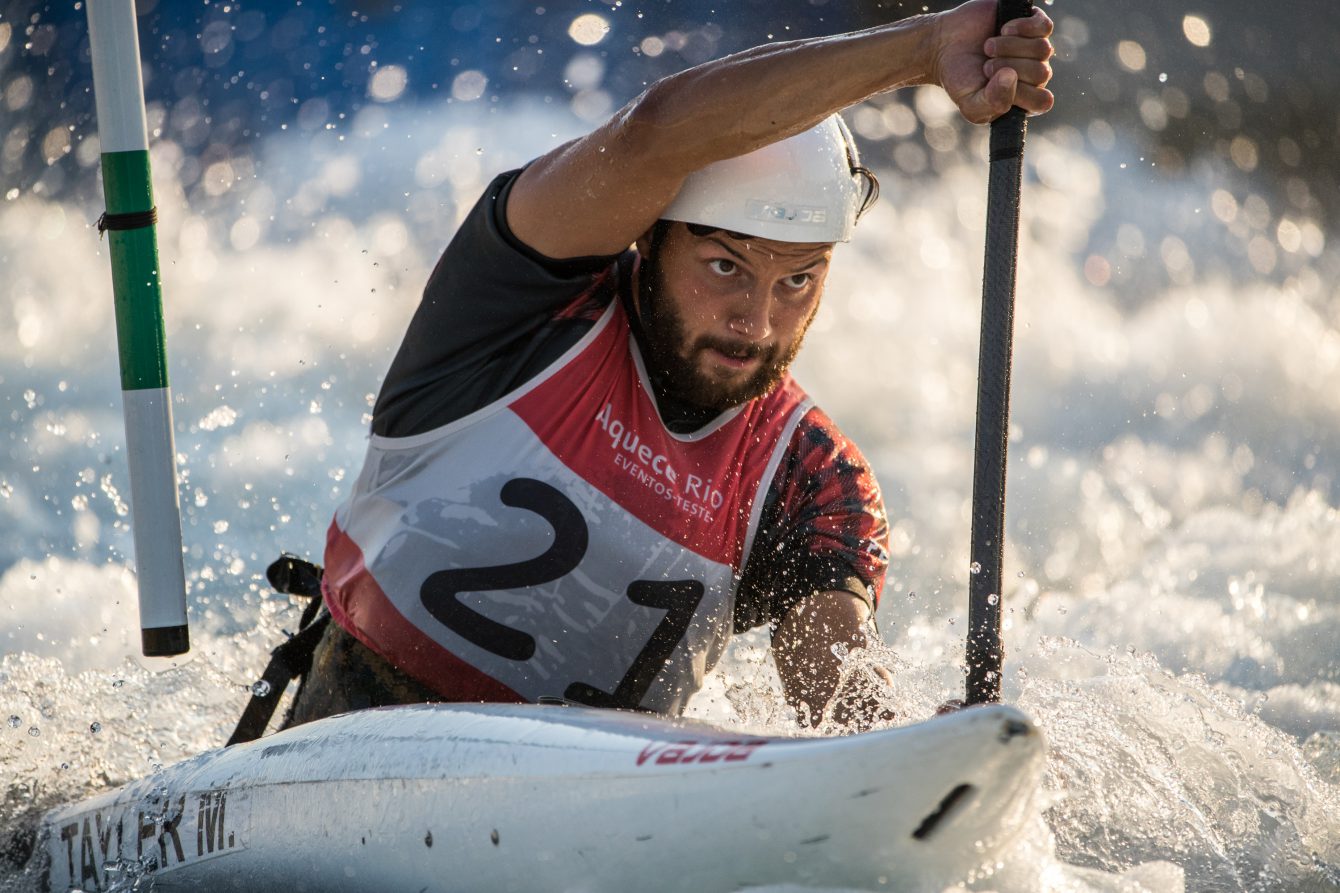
{"x": 129, "y": 225}
{"x": 985, "y": 651}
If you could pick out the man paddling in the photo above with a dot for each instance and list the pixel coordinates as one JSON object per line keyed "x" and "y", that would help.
{"x": 589, "y": 465}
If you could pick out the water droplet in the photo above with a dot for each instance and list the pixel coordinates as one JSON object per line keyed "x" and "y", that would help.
{"x": 975, "y": 567}
{"x": 34, "y": 731}
{"x": 993, "y": 599}
{"x": 95, "y": 727}
{"x": 117, "y": 683}
{"x": 14, "y": 722}
{"x": 839, "y": 650}
{"x": 260, "y": 688}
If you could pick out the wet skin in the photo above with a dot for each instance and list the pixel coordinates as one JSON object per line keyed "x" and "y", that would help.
{"x": 728, "y": 314}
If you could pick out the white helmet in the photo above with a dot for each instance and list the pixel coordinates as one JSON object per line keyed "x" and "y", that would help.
{"x": 805, "y": 188}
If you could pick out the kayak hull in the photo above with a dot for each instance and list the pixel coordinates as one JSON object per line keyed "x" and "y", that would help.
{"x": 525, "y": 798}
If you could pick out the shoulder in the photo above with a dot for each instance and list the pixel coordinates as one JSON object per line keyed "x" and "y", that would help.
{"x": 820, "y": 457}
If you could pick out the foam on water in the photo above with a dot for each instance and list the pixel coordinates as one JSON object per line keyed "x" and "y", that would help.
{"x": 1173, "y": 618}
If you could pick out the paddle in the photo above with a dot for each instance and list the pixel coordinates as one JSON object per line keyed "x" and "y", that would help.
{"x": 147, "y": 401}
{"x": 985, "y": 652}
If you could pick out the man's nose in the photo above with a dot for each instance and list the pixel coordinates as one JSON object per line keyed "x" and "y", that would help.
{"x": 750, "y": 316}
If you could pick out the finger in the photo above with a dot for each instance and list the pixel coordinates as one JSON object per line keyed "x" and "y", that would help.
{"x": 1039, "y": 24}
{"x": 1034, "y": 100}
{"x": 1019, "y": 48}
{"x": 998, "y": 94}
{"x": 1029, "y": 71}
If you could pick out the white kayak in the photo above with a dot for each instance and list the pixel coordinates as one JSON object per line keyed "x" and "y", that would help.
{"x": 493, "y": 798}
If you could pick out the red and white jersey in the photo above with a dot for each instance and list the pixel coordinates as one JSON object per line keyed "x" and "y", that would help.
{"x": 560, "y": 541}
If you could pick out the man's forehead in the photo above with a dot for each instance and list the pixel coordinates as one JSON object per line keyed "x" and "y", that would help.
{"x": 771, "y": 248}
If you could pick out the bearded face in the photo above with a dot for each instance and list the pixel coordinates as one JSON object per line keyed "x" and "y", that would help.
{"x": 723, "y": 315}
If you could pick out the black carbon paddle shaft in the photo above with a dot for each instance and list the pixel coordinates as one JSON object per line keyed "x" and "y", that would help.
{"x": 985, "y": 651}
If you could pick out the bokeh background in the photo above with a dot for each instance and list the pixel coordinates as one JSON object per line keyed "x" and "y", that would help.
{"x": 1173, "y": 608}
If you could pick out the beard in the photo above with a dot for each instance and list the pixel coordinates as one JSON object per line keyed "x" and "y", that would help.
{"x": 677, "y": 365}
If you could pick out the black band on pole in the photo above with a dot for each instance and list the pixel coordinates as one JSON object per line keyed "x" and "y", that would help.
{"x": 985, "y": 650}
{"x": 133, "y": 220}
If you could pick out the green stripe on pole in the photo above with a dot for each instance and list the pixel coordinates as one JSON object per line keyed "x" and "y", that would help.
{"x": 136, "y": 283}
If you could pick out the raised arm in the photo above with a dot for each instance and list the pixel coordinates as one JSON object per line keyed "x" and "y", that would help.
{"x": 597, "y": 194}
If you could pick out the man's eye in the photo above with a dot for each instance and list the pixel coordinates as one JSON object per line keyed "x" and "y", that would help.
{"x": 798, "y": 281}
{"x": 721, "y": 266}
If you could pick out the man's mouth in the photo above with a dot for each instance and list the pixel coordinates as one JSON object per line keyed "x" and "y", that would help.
{"x": 735, "y": 356}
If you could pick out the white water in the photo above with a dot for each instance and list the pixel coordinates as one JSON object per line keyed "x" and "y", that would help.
{"x": 1174, "y": 614}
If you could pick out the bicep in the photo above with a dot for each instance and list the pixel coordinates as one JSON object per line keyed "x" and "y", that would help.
{"x": 596, "y": 195}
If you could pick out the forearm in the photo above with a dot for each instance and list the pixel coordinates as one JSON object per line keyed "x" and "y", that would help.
{"x": 741, "y": 102}
{"x": 807, "y": 645}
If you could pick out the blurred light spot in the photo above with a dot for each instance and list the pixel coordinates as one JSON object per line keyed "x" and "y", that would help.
{"x": 868, "y": 122}
{"x": 1101, "y": 135}
{"x": 29, "y": 329}
{"x": 1224, "y": 205}
{"x": 899, "y": 119}
{"x": 1314, "y": 239}
{"x": 1196, "y": 312}
{"x": 1289, "y": 151}
{"x": 218, "y": 178}
{"x": 1198, "y": 401}
{"x": 1289, "y": 235}
{"x": 1261, "y": 253}
{"x": 584, "y": 71}
{"x": 56, "y": 144}
{"x": 592, "y": 105}
{"x": 1176, "y": 102}
{"x": 1177, "y": 260}
{"x": 313, "y": 113}
{"x": 430, "y": 170}
{"x": 216, "y": 37}
{"x": 5, "y": 31}
{"x": 1097, "y": 270}
{"x": 1257, "y": 210}
{"x": 1256, "y": 87}
{"x": 1153, "y": 113}
{"x": 52, "y": 224}
{"x": 910, "y": 158}
{"x": 1197, "y": 30}
{"x": 935, "y": 253}
{"x": 390, "y": 236}
{"x": 588, "y": 29}
{"x": 245, "y": 233}
{"x": 942, "y": 137}
{"x": 469, "y": 85}
{"x": 387, "y": 83}
{"x": 1130, "y": 240}
{"x": 1131, "y": 55}
{"x": 934, "y": 106}
{"x": 89, "y": 151}
{"x": 19, "y": 92}
{"x": 340, "y": 175}
{"x": 652, "y": 46}
{"x": 1165, "y": 405}
{"x": 1216, "y": 86}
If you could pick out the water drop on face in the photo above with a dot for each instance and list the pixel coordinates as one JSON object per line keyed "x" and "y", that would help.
{"x": 14, "y": 722}
{"x": 975, "y": 567}
{"x": 95, "y": 727}
{"x": 993, "y": 599}
{"x": 260, "y": 688}
{"x": 118, "y": 683}
{"x": 34, "y": 731}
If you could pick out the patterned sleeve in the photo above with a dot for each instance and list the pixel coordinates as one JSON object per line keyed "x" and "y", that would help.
{"x": 822, "y": 527}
